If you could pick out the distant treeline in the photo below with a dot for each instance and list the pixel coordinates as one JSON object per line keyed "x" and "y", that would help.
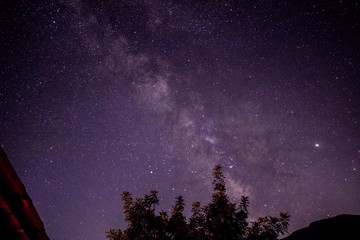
{"x": 219, "y": 220}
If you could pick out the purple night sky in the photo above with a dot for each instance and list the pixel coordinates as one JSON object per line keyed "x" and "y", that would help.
{"x": 98, "y": 97}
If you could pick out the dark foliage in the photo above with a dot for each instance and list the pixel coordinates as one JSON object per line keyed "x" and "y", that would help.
{"x": 219, "y": 220}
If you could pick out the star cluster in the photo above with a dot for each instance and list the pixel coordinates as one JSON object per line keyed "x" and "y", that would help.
{"x": 98, "y": 97}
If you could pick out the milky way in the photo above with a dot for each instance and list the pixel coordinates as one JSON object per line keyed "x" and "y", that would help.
{"x": 101, "y": 97}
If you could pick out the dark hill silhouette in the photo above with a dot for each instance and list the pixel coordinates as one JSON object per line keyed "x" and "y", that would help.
{"x": 340, "y": 227}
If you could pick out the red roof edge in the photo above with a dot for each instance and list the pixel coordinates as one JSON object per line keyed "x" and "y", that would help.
{"x": 17, "y": 212}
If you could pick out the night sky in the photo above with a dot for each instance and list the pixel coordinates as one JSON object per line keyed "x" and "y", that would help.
{"x": 98, "y": 97}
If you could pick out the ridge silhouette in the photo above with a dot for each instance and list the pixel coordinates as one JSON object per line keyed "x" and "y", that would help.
{"x": 343, "y": 226}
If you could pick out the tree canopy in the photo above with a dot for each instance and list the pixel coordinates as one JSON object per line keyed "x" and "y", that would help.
{"x": 219, "y": 220}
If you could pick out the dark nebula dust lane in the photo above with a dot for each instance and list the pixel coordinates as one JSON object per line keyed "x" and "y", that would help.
{"x": 98, "y": 97}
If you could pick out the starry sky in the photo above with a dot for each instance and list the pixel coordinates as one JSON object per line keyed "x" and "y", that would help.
{"x": 98, "y": 97}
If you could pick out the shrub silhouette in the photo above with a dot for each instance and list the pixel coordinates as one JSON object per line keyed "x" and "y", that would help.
{"x": 219, "y": 220}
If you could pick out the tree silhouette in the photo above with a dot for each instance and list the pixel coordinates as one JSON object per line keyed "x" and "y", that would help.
{"x": 197, "y": 222}
{"x": 140, "y": 215}
{"x": 268, "y": 228}
{"x": 177, "y": 227}
{"x": 220, "y": 213}
{"x": 219, "y": 220}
